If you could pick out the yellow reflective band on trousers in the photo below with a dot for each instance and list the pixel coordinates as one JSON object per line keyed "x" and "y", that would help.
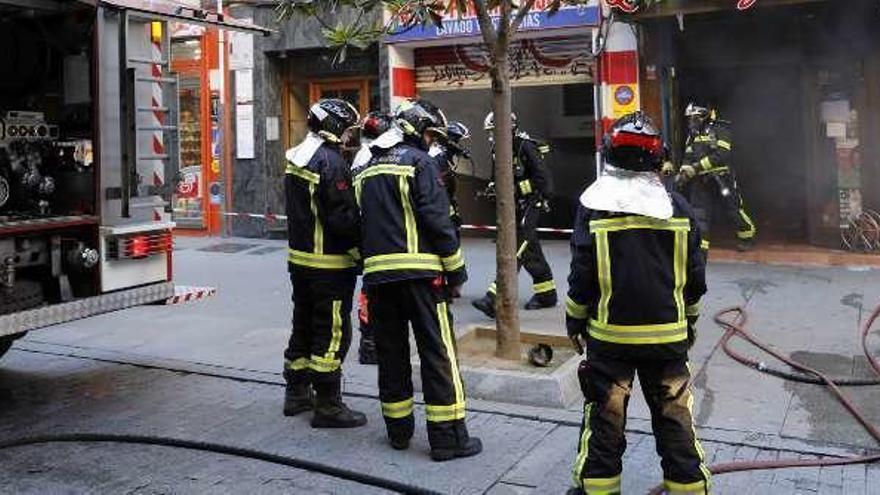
{"x": 412, "y": 230}
{"x": 438, "y": 413}
{"x": 453, "y": 262}
{"x": 335, "y": 331}
{"x": 318, "y": 237}
{"x": 397, "y": 410}
{"x": 402, "y": 261}
{"x": 707, "y": 475}
{"x": 321, "y": 261}
{"x": 522, "y": 249}
{"x": 303, "y": 174}
{"x": 324, "y": 365}
{"x": 696, "y": 488}
{"x": 297, "y": 364}
{"x": 602, "y": 486}
{"x": 543, "y": 287}
{"x": 525, "y": 187}
{"x": 750, "y": 232}
{"x": 575, "y": 310}
{"x": 663, "y": 333}
{"x": 580, "y": 462}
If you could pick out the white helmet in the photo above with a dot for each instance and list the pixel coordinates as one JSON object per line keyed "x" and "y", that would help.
{"x": 489, "y": 123}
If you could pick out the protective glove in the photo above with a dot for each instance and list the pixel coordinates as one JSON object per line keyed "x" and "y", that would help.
{"x": 692, "y": 331}
{"x": 668, "y": 169}
{"x": 543, "y": 205}
{"x": 577, "y": 333}
{"x": 687, "y": 172}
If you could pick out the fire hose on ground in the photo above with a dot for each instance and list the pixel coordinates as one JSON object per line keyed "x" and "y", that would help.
{"x": 734, "y": 320}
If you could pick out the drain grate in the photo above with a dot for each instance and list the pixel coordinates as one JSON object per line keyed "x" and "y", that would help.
{"x": 228, "y": 247}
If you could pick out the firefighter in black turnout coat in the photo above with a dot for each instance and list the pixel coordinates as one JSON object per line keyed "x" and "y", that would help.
{"x": 637, "y": 277}
{"x": 323, "y": 229}
{"x": 412, "y": 265}
{"x": 533, "y": 187}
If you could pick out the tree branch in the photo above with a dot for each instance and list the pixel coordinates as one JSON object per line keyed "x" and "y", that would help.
{"x": 503, "y": 37}
{"x": 490, "y": 36}
{"x": 521, "y": 14}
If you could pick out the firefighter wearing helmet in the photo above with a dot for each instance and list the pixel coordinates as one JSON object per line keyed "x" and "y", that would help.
{"x": 637, "y": 277}
{"x": 444, "y": 146}
{"x": 533, "y": 187}
{"x": 412, "y": 266}
{"x": 323, "y": 228}
{"x": 707, "y": 175}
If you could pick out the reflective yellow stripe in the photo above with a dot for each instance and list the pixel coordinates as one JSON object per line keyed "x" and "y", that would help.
{"x": 724, "y": 144}
{"x": 397, "y": 410}
{"x": 318, "y": 235}
{"x": 704, "y": 244}
{"x": 706, "y": 163}
{"x": 323, "y": 364}
{"x": 580, "y": 462}
{"x": 438, "y": 414}
{"x": 402, "y": 261}
{"x": 604, "y": 270}
{"x": 297, "y": 364}
{"x": 638, "y": 222}
{"x": 402, "y": 170}
{"x": 680, "y": 268}
{"x": 548, "y": 286}
{"x": 714, "y": 170}
{"x": 323, "y": 261}
{"x": 693, "y": 309}
{"x": 575, "y": 310}
{"x": 703, "y": 139}
{"x": 303, "y": 174}
{"x": 663, "y": 333}
{"x": 602, "y": 486}
{"x": 707, "y": 475}
{"x": 335, "y": 331}
{"x": 453, "y": 262}
{"x": 522, "y": 248}
{"x": 493, "y": 288}
{"x": 525, "y": 186}
{"x": 412, "y": 230}
{"x": 750, "y": 231}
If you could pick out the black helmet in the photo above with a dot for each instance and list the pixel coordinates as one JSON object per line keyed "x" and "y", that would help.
{"x": 416, "y": 117}
{"x": 489, "y": 123}
{"x": 633, "y": 143}
{"x": 457, "y": 132}
{"x": 375, "y": 124}
{"x": 697, "y": 116}
{"x": 330, "y": 118}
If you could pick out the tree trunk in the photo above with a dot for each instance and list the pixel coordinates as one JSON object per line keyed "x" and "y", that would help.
{"x": 507, "y": 313}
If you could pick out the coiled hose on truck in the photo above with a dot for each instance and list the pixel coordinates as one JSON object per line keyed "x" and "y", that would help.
{"x": 733, "y": 321}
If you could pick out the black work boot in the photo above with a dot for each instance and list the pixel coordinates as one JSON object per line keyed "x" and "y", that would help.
{"x": 331, "y": 412}
{"x": 485, "y": 305}
{"x": 400, "y": 431}
{"x": 298, "y": 398}
{"x": 542, "y": 300}
{"x": 575, "y": 491}
{"x": 744, "y": 245}
{"x": 367, "y": 349}
{"x": 451, "y": 441}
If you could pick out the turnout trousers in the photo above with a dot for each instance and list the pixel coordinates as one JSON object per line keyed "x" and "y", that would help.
{"x": 529, "y": 254}
{"x": 322, "y": 304}
{"x": 607, "y": 382}
{"x": 422, "y": 303}
{"x": 707, "y": 192}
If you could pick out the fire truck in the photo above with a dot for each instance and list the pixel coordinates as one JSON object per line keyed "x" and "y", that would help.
{"x": 89, "y": 150}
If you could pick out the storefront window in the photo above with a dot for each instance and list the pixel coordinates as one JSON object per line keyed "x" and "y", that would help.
{"x": 189, "y": 194}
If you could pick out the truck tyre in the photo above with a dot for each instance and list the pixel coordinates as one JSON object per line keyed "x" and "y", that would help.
{"x": 25, "y": 295}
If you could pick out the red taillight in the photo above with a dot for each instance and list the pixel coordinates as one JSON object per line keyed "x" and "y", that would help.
{"x": 139, "y": 246}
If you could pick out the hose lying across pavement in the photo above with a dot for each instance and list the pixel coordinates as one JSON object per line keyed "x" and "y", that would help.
{"x": 736, "y": 327}
{"x": 333, "y": 471}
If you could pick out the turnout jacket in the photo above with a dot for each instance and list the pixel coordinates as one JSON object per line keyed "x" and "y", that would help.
{"x": 709, "y": 150}
{"x": 406, "y": 229}
{"x": 635, "y": 279}
{"x": 323, "y": 222}
{"x": 530, "y": 175}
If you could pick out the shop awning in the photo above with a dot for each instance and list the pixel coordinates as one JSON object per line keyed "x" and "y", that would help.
{"x": 668, "y": 8}
{"x": 173, "y": 11}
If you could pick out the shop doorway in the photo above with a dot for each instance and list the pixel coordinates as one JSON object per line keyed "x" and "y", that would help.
{"x": 299, "y": 96}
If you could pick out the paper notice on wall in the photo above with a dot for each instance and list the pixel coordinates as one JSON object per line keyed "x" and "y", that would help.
{"x": 835, "y": 111}
{"x": 244, "y": 86}
{"x": 244, "y": 131}
{"x": 836, "y": 130}
{"x": 272, "y": 129}
{"x": 241, "y": 51}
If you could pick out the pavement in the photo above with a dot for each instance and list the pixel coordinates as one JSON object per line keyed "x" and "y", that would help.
{"x": 210, "y": 371}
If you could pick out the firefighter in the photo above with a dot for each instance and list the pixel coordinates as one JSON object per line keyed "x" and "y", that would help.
{"x": 637, "y": 277}
{"x": 412, "y": 265}
{"x": 708, "y": 176}
{"x": 372, "y": 126}
{"x": 323, "y": 229}
{"x": 445, "y": 147}
{"x": 533, "y": 188}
